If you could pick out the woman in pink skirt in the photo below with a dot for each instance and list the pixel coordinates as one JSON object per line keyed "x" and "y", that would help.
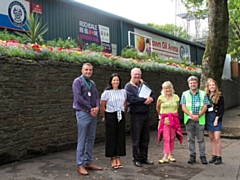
{"x": 167, "y": 108}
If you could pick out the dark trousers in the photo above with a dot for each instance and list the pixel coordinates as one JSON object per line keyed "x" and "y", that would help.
{"x": 140, "y": 136}
{"x": 115, "y": 144}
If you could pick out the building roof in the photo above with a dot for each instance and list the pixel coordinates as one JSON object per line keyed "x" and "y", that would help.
{"x": 139, "y": 25}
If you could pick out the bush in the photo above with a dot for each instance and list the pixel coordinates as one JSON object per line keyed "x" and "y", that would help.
{"x": 94, "y": 47}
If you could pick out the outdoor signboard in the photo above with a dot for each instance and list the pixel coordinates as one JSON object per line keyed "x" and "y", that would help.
{"x": 166, "y": 48}
{"x": 14, "y": 13}
{"x": 37, "y": 8}
{"x": 95, "y": 33}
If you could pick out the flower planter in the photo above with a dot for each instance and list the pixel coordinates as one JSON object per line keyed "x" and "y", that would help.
{"x": 238, "y": 69}
{"x": 234, "y": 69}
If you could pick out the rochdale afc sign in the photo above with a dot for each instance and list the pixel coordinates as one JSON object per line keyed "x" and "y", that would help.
{"x": 17, "y": 13}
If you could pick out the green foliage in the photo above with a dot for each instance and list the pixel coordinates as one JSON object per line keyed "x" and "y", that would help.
{"x": 94, "y": 47}
{"x": 73, "y": 43}
{"x": 68, "y": 43}
{"x": 2, "y": 50}
{"x": 61, "y": 56}
{"x": 16, "y": 52}
{"x": 60, "y": 42}
{"x": 234, "y": 22}
{"x": 196, "y": 8}
{"x": 155, "y": 54}
{"x": 130, "y": 52}
{"x": 184, "y": 60}
{"x": 234, "y": 29}
{"x": 52, "y": 43}
{"x": 30, "y": 55}
{"x": 144, "y": 56}
{"x": 6, "y": 35}
{"x": 35, "y": 30}
{"x": 171, "y": 29}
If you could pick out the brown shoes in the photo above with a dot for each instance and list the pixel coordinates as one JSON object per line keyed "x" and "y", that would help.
{"x": 119, "y": 164}
{"x": 82, "y": 170}
{"x": 92, "y": 167}
{"x": 114, "y": 163}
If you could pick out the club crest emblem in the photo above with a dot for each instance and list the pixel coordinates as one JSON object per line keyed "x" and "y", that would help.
{"x": 17, "y": 13}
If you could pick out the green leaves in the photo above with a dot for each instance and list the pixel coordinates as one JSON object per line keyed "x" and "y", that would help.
{"x": 171, "y": 29}
{"x": 95, "y": 47}
{"x": 35, "y": 30}
{"x": 234, "y": 28}
{"x": 196, "y": 8}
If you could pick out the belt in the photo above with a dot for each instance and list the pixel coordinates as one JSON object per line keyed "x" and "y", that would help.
{"x": 84, "y": 110}
{"x": 212, "y": 112}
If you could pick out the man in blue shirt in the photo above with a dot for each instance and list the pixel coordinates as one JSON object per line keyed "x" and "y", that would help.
{"x": 86, "y": 103}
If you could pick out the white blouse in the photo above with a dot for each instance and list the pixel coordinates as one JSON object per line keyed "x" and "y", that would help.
{"x": 115, "y": 99}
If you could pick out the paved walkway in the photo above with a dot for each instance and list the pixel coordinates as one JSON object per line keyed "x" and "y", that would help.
{"x": 61, "y": 166}
{"x": 231, "y": 123}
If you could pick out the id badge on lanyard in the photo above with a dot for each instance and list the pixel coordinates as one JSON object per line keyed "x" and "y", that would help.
{"x": 210, "y": 109}
{"x": 89, "y": 93}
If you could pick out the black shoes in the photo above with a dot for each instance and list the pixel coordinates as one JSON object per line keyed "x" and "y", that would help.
{"x": 147, "y": 162}
{"x": 137, "y": 163}
{"x": 203, "y": 160}
{"x": 192, "y": 160}
{"x": 214, "y": 158}
{"x": 218, "y": 160}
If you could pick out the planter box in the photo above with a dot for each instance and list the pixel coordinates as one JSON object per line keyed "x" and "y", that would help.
{"x": 238, "y": 69}
{"x": 234, "y": 69}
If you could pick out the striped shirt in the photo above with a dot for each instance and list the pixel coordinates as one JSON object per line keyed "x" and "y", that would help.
{"x": 196, "y": 101}
{"x": 115, "y": 99}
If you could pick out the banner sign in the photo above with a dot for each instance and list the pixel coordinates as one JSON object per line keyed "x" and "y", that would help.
{"x": 104, "y": 33}
{"x": 96, "y": 34}
{"x": 166, "y": 48}
{"x": 14, "y": 13}
{"x": 89, "y": 32}
{"x": 37, "y": 8}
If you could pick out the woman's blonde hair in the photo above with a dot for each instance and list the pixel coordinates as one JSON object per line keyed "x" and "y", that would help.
{"x": 167, "y": 84}
{"x": 217, "y": 93}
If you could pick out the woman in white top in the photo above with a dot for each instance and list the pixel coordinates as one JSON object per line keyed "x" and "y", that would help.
{"x": 113, "y": 104}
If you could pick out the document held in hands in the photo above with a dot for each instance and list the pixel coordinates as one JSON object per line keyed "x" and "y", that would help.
{"x": 144, "y": 91}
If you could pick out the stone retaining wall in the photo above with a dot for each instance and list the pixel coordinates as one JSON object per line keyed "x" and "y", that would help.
{"x": 36, "y": 112}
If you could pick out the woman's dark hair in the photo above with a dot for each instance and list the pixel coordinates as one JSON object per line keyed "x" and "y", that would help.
{"x": 109, "y": 86}
{"x": 147, "y": 41}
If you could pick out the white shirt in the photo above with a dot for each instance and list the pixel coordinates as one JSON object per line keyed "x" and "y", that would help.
{"x": 115, "y": 99}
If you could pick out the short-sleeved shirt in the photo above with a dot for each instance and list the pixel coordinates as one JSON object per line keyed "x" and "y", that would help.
{"x": 168, "y": 106}
{"x": 196, "y": 101}
{"x": 115, "y": 99}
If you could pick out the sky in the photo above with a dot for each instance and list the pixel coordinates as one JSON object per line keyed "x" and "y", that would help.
{"x": 154, "y": 11}
{"x": 159, "y": 12}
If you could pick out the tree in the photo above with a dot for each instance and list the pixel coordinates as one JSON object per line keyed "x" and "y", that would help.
{"x": 234, "y": 29}
{"x": 35, "y": 30}
{"x": 171, "y": 29}
{"x": 217, "y": 42}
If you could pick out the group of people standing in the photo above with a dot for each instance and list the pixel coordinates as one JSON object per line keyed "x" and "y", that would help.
{"x": 136, "y": 98}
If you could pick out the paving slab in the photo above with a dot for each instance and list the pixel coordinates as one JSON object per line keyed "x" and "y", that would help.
{"x": 61, "y": 165}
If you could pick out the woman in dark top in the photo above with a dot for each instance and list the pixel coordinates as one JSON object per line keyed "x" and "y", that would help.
{"x": 214, "y": 120}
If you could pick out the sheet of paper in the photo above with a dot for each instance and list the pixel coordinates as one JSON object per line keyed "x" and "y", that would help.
{"x": 144, "y": 91}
